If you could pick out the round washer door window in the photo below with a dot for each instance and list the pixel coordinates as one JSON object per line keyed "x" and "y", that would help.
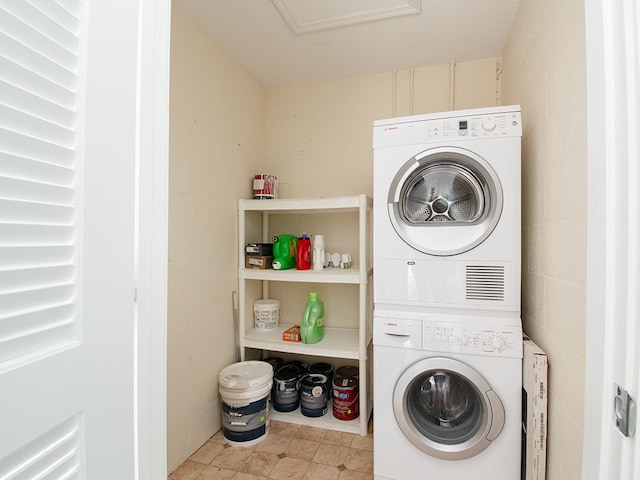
{"x": 447, "y": 409}
{"x": 445, "y": 201}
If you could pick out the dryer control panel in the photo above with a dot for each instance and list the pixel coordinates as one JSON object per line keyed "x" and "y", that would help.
{"x": 456, "y": 125}
{"x": 493, "y": 340}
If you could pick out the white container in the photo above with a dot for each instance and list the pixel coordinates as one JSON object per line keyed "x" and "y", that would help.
{"x": 318, "y": 252}
{"x": 245, "y": 389}
{"x": 266, "y": 314}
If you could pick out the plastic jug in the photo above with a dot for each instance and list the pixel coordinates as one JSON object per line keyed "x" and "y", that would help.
{"x": 318, "y": 252}
{"x": 312, "y": 323}
{"x": 303, "y": 257}
{"x": 284, "y": 251}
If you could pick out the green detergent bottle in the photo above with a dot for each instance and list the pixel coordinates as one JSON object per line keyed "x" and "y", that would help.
{"x": 312, "y": 323}
{"x": 284, "y": 252}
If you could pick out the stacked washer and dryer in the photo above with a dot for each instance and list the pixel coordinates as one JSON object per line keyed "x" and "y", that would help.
{"x": 447, "y": 332}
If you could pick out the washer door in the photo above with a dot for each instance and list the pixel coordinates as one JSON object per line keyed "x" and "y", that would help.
{"x": 445, "y": 201}
{"x": 447, "y": 409}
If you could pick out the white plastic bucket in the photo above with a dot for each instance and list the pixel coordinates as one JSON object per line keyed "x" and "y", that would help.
{"x": 266, "y": 314}
{"x": 245, "y": 391}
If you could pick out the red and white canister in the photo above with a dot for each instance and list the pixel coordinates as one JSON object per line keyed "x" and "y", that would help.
{"x": 264, "y": 186}
{"x": 345, "y": 398}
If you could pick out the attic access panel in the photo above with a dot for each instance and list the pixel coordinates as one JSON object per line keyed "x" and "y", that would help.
{"x": 304, "y": 16}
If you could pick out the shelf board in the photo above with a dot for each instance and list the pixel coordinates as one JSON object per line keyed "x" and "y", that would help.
{"x": 337, "y": 342}
{"x": 329, "y": 422}
{"x": 307, "y": 205}
{"x": 328, "y": 275}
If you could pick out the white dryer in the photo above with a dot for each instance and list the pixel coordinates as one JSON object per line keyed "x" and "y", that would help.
{"x": 447, "y": 205}
{"x": 447, "y": 396}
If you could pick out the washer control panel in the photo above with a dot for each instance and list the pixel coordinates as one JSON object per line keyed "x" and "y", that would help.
{"x": 473, "y": 339}
{"x": 466, "y": 334}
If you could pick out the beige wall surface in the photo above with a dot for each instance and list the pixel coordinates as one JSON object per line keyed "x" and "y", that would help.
{"x": 216, "y": 145}
{"x": 319, "y": 143}
{"x": 544, "y": 71}
{"x": 319, "y": 135}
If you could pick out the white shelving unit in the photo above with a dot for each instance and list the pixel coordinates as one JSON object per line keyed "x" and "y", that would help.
{"x": 338, "y": 343}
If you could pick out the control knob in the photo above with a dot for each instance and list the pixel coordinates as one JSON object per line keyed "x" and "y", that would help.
{"x": 499, "y": 343}
{"x": 489, "y": 124}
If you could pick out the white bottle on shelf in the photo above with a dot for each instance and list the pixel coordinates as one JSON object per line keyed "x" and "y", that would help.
{"x": 318, "y": 252}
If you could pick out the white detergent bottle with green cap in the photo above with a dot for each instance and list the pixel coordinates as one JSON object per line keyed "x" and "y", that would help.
{"x": 312, "y": 323}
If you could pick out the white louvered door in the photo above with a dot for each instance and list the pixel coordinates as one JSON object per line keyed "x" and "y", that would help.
{"x": 68, "y": 73}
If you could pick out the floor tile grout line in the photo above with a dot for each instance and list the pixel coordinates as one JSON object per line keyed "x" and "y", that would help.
{"x": 292, "y": 434}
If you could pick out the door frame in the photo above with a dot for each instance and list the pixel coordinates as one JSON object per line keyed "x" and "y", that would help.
{"x": 152, "y": 165}
{"x": 613, "y": 63}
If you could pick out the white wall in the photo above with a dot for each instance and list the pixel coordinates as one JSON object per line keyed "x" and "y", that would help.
{"x": 544, "y": 70}
{"x": 216, "y": 145}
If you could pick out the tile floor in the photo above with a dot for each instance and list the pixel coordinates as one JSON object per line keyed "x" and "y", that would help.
{"x": 291, "y": 452}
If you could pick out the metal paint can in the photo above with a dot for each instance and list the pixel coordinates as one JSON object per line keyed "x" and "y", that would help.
{"x": 348, "y": 371}
{"x": 345, "y": 398}
{"x": 286, "y": 392}
{"x": 323, "y": 369}
{"x": 314, "y": 394}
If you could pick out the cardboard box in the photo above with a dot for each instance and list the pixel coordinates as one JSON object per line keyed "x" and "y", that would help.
{"x": 291, "y": 334}
{"x": 257, "y": 262}
{"x": 260, "y": 249}
{"x": 534, "y": 411}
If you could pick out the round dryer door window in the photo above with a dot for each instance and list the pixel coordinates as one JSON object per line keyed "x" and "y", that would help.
{"x": 445, "y": 201}
{"x": 447, "y": 409}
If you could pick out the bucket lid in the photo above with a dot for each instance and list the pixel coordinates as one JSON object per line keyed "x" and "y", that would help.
{"x": 348, "y": 372}
{"x": 312, "y": 379}
{"x": 345, "y": 382}
{"x": 267, "y": 302}
{"x": 245, "y": 375}
{"x": 321, "y": 367}
{"x": 287, "y": 373}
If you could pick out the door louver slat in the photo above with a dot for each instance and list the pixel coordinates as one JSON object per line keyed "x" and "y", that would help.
{"x": 54, "y": 455}
{"x": 40, "y": 77}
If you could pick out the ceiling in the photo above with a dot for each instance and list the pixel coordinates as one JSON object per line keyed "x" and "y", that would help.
{"x": 343, "y": 38}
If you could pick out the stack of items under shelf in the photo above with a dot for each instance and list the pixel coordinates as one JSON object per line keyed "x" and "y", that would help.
{"x": 311, "y": 389}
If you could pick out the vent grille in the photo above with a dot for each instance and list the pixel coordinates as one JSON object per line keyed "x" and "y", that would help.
{"x": 485, "y": 282}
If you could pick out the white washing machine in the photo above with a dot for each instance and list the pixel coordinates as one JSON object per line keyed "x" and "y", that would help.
{"x": 447, "y": 396}
{"x": 446, "y": 191}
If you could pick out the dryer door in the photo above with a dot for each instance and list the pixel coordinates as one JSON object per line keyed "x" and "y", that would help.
{"x": 445, "y": 201}
{"x": 447, "y": 409}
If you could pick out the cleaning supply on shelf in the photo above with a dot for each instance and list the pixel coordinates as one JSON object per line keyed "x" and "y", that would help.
{"x": 312, "y": 323}
{"x": 266, "y": 313}
{"x": 284, "y": 251}
{"x": 318, "y": 252}
{"x": 303, "y": 256}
